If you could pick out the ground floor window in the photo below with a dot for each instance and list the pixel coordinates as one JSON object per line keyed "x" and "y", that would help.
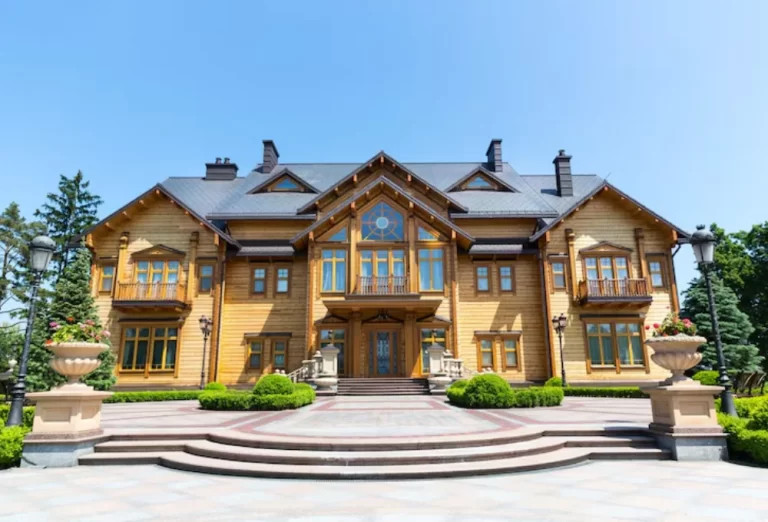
{"x": 149, "y": 348}
{"x": 485, "y": 355}
{"x": 511, "y": 358}
{"x": 338, "y": 338}
{"x": 256, "y": 354}
{"x": 279, "y": 354}
{"x": 430, "y": 336}
{"x": 609, "y": 342}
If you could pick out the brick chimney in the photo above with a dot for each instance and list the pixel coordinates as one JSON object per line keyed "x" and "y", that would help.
{"x": 494, "y": 156}
{"x": 563, "y": 174}
{"x": 270, "y": 157}
{"x": 220, "y": 170}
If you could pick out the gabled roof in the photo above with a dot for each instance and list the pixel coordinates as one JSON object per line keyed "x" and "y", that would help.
{"x": 284, "y": 172}
{"x": 381, "y": 157}
{"x": 379, "y": 181}
{"x": 482, "y": 171}
{"x": 604, "y": 246}
{"x": 606, "y": 186}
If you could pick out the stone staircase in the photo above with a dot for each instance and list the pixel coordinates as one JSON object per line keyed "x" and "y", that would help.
{"x": 233, "y": 453}
{"x": 383, "y": 386}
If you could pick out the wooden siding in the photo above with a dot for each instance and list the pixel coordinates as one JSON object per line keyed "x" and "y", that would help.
{"x": 497, "y": 227}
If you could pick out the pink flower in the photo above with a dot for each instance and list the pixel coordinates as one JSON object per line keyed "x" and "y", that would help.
{"x": 53, "y": 324}
{"x": 106, "y": 334}
{"x": 647, "y": 327}
{"x": 90, "y": 322}
{"x": 656, "y": 325}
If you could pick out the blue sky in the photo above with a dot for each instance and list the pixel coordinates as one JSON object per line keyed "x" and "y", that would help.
{"x": 668, "y": 98}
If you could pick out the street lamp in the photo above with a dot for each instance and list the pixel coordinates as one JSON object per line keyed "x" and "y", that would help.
{"x": 559, "y": 324}
{"x": 703, "y": 243}
{"x": 206, "y": 325}
{"x": 40, "y": 252}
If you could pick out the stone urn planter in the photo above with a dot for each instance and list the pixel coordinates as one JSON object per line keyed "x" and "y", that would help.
{"x": 74, "y": 360}
{"x": 677, "y": 353}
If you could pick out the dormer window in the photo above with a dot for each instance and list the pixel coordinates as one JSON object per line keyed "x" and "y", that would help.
{"x": 287, "y": 185}
{"x": 284, "y": 181}
{"x": 481, "y": 179}
{"x": 479, "y": 183}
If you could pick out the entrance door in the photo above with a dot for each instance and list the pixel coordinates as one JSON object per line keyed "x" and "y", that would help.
{"x": 382, "y": 353}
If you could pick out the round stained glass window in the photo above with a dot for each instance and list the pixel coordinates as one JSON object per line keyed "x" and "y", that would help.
{"x": 382, "y": 222}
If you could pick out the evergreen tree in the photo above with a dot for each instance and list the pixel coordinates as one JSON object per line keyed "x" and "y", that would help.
{"x": 735, "y": 327}
{"x": 15, "y": 234}
{"x": 11, "y": 341}
{"x": 67, "y": 214}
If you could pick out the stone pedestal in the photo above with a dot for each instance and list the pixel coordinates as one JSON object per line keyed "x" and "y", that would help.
{"x": 438, "y": 377}
{"x": 327, "y": 380}
{"x": 685, "y": 421}
{"x": 67, "y": 424}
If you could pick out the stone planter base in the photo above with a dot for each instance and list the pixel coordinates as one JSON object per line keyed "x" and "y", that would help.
{"x": 67, "y": 424}
{"x": 438, "y": 384}
{"x": 326, "y": 384}
{"x": 685, "y": 421}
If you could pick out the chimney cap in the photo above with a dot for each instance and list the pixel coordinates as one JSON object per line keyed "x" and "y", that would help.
{"x": 226, "y": 161}
{"x": 494, "y": 141}
{"x": 562, "y": 155}
{"x": 218, "y": 161}
{"x": 271, "y": 144}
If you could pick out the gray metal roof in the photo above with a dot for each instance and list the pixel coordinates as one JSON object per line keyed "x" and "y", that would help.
{"x": 495, "y": 249}
{"x": 265, "y": 251}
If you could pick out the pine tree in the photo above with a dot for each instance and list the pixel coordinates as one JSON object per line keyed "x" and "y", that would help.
{"x": 67, "y": 214}
{"x": 73, "y": 300}
{"x": 735, "y": 327}
{"x": 15, "y": 234}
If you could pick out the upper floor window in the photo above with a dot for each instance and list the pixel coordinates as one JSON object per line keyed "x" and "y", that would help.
{"x": 107, "y": 281}
{"x": 157, "y": 272}
{"x": 205, "y": 283}
{"x": 609, "y": 267}
{"x": 259, "y": 280}
{"x": 558, "y": 275}
{"x": 430, "y": 269}
{"x": 339, "y": 236}
{"x": 382, "y": 223}
{"x": 427, "y": 235}
{"x": 334, "y": 270}
{"x": 506, "y": 278}
{"x": 657, "y": 272}
{"x": 482, "y": 278}
{"x": 283, "y": 280}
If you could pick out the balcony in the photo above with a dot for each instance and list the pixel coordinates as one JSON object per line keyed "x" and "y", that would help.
{"x": 150, "y": 296}
{"x": 614, "y": 292}
{"x": 388, "y": 293}
{"x": 387, "y": 285}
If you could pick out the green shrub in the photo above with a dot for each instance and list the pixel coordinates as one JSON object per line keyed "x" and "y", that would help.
{"x": 226, "y": 400}
{"x": 759, "y": 418}
{"x": 215, "y": 386}
{"x": 538, "y": 397}
{"x": 273, "y": 384}
{"x": 302, "y": 395}
{"x": 28, "y": 415}
{"x": 488, "y": 390}
{"x": 706, "y": 377}
{"x": 153, "y": 396}
{"x": 554, "y": 381}
{"x": 617, "y": 392}
{"x": 455, "y": 392}
{"x": 11, "y": 445}
{"x": 746, "y": 406}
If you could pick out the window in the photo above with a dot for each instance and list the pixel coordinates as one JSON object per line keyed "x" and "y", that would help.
{"x": 506, "y": 278}
{"x": 279, "y": 355}
{"x": 283, "y": 283}
{"x": 479, "y": 182}
{"x": 259, "y": 285}
{"x": 287, "y": 184}
{"x": 338, "y": 338}
{"x": 256, "y": 354}
{"x": 107, "y": 281}
{"x": 339, "y": 236}
{"x": 510, "y": 353}
{"x": 334, "y": 270}
{"x": 607, "y": 267}
{"x": 382, "y": 223}
{"x": 430, "y": 336}
{"x": 157, "y": 272}
{"x": 609, "y": 342}
{"x": 558, "y": 275}
{"x": 485, "y": 353}
{"x": 382, "y": 271}
{"x": 205, "y": 283}
{"x": 426, "y": 235}
{"x": 482, "y": 279}
{"x": 430, "y": 269}
{"x": 149, "y": 348}
{"x": 656, "y": 272}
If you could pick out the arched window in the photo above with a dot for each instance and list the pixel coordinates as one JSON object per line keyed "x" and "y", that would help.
{"x": 382, "y": 223}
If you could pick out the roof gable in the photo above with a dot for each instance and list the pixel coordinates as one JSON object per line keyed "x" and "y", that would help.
{"x": 283, "y": 181}
{"x": 481, "y": 179}
{"x": 604, "y": 246}
{"x": 159, "y": 251}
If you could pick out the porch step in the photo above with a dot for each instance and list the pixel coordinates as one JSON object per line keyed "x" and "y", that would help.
{"x": 368, "y": 459}
{"x": 383, "y": 386}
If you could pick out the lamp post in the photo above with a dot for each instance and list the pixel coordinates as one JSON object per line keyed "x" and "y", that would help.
{"x": 559, "y": 324}
{"x": 40, "y": 252}
{"x": 703, "y": 243}
{"x": 206, "y": 325}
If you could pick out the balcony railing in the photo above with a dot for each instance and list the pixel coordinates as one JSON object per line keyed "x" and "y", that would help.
{"x": 610, "y": 289}
{"x": 386, "y": 285}
{"x": 150, "y": 292}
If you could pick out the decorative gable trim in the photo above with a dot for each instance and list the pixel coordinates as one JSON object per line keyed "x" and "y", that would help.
{"x": 269, "y": 184}
{"x": 331, "y": 319}
{"x": 160, "y": 252}
{"x": 496, "y": 183}
{"x": 604, "y": 246}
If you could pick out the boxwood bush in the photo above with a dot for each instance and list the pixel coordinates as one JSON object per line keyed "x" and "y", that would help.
{"x": 492, "y": 391}
{"x": 706, "y": 377}
{"x": 554, "y": 381}
{"x": 153, "y": 396}
{"x": 215, "y": 386}
{"x": 299, "y": 395}
{"x": 616, "y": 392}
{"x": 273, "y": 384}
{"x": 28, "y": 415}
{"x": 11, "y": 445}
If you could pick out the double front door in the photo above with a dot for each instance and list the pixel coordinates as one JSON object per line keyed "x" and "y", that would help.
{"x": 383, "y": 350}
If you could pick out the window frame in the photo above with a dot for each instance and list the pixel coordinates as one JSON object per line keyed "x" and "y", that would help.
{"x": 283, "y": 266}
{"x": 363, "y": 223}
{"x": 147, "y": 370}
{"x": 518, "y": 352}
{"x": 598, "y": 257}
{"x": 273, "y": 352}
{"x": 491, "y": 185}
{"x": 150, "y": 271}
{"x": 562, "y": 261}
{"x": 489, "y": 271}
{"x": 617, "y": 365}
{"x": 432, "y": 338}
{"x": 249, "y": 353}
{"x": 344, "y": 342}
{"x": 663, "y": 271}
{"x": 253, "y": 267}
{"x": 511, "y": 278}
{"x": 431, "y": 260}
{"x": 113, "y": 277}
{"x": 205, "y": 263}
{"x": 480, "y": 339}
{"x": 334, "y": 260}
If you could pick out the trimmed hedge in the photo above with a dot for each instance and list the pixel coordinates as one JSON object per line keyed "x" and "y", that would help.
{"x": 11, "y": 445}
{"x": 215, "y": 386}
{"x": 153, "y": 396}
{"x": 273, "y": 384}
{"x": 554, "y": 381}
{"x": 617, "y": 392}
{"x": 706, "y": 377}
{"x": 744, "y": 443}
{"x": 302, "y": 395}
{"x": 28, "y": 415}
{"x": 492, "y": 391}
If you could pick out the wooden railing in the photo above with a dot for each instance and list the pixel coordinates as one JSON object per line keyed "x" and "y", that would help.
{"x": 387, "y": 285}
{"x": 613, "y": 288}
{"x": 149, "y": 292}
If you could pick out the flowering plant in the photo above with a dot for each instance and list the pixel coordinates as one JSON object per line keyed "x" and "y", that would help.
{"x": 673, "y": 325}
{"x": 85, "y": 332}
